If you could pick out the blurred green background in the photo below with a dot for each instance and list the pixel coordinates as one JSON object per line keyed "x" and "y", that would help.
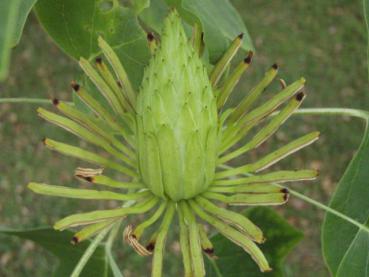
{"x": 324, "y": 41}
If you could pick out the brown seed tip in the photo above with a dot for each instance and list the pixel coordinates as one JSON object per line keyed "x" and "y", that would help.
{"x": 286, "y": 195}
{"x": 98, "y": 60}
{"x": 75, "y": 86}
{"x": 44, "y": 141}
{"x": 248, "y": 59}
{"x": 275, "y": 66}
{"x": 284, "y": 190}
{"x": 86, "y": 178}
{"x": 209, "y": 251}
{"x": 150, "y": 36}
{"x": 150, "y": 247}
{"x": 55, "y": 102}
{"x": 74, "y": 240}
{"x": 119, "y": 84}
{"x": 300, "y": 96}
{"x": 240, "y": 36}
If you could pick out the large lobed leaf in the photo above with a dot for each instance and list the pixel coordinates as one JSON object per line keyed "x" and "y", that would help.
{"x": 58, "y": 243}
{"x": 76, "y": 25}
{"x": 346, "y": 246}
{"x": 233, "y": 261}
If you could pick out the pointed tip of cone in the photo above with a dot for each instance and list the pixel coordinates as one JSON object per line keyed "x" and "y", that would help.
{"x": 172, "y": 15}
{"x": 173, "y": 11}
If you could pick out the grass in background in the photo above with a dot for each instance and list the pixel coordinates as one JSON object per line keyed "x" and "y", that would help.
{"x": 324, "y": 41}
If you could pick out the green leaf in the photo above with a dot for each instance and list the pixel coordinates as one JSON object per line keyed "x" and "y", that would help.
{"x": 154, "y": 16}
{"x": 76, "y": 25}
{"x": 9, "y": 10}
{"x": 220, "y": 21}
{"x": 58, "y": 243}
{"x": 13, "y": 16}
{"x": 281, "y": 238}
{"x": 140, "y": 5}
{"x": 355, "y": 262}
{"x": 24, "y": 10}
{"x": 345, "y": 246}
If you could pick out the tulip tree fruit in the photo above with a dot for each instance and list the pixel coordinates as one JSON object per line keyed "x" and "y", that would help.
{"x": 172, "y": 139}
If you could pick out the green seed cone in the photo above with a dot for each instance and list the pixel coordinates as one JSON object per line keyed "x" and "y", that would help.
{"x": 175, "y": 151}
{"x": 176, "y": 119}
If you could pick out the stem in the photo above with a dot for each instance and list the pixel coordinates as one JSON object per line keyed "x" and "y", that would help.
{"x": 108, "y": 246}
{"x": 88, "y": 253}
{"x": 334, "y": 111}
{"x": 109, "y": 242}
{"x": 112, "y": 235}
{"x": 25, "y": 100}
{"x": 328, "y": 209}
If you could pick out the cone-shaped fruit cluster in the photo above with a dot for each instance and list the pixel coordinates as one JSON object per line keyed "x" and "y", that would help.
{"x": 176, "y": 119}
